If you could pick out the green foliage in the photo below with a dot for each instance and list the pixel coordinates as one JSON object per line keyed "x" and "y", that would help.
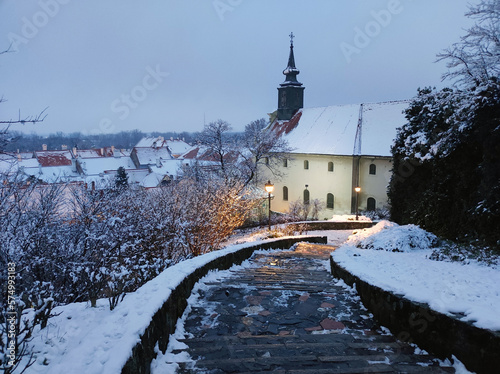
{"x": 121, "y": 178}
{"x": 446, "y": 164}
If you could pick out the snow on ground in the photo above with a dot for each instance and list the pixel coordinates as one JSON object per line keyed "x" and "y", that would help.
{"x": 396, "y": 258}
{"x": 334, "y": 237}
{"x": 348, "y": 218}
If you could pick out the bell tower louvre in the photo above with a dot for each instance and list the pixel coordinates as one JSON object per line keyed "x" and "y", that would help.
{"x": 290, "y": 92}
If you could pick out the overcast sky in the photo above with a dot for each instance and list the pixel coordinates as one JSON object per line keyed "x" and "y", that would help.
{"x": 169, "y": 65}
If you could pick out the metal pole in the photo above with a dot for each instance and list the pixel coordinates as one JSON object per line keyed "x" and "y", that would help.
{"x": 357, "y": 210}
{"x": 269, "y": 205}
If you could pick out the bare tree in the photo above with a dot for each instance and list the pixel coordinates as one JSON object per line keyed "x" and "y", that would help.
{"x": 476, "y": 58}
{"x": 263, "y": 148}
{"x": 215, "y": 137}
{"x": 4, "y": 132}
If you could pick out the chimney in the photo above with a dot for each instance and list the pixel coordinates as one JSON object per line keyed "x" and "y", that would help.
{"x": 158, "y": 163}
{"x": 75, "y": 154}
{"x": 19, "y": 158}
{"x": 44, "y": 147}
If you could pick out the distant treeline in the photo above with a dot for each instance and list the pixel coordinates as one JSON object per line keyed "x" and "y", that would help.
{"x": 123, "y": 140}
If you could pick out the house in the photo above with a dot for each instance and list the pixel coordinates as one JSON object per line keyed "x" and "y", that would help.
{"x": 159, "y": 156}
{"x": 334, "y": 150}
{"x": 54, "y": 166}
{"x": 97, "y": 167}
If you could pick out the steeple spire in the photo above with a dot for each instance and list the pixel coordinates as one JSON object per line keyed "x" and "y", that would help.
{"x": 290, "y": 92}
{"x": 291, "y": 70}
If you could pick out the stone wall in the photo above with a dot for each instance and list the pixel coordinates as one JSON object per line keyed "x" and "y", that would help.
{"x": 164, "y": 321}
{"x": 442, "y": 335}
{"x": 331, "y": 225}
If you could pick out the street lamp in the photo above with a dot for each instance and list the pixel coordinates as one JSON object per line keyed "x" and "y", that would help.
{"x": 269, "y": 188}
{"x": 358, "y": 190}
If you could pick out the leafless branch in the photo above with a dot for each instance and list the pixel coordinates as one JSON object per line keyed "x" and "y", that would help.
{"x": 31, "y": 119}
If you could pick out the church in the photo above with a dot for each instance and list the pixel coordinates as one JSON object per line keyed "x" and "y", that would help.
{"x": 340, "y": 154}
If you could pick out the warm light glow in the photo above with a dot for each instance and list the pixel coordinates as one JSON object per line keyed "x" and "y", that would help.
{"x": 269, "y": 187}
{"x": 357, "y": 189}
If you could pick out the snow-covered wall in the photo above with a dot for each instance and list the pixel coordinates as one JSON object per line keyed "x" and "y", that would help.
{"x": 415, "y": 322}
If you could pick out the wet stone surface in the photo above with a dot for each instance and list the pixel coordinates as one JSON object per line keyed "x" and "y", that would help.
{"x": 283, "y": 312}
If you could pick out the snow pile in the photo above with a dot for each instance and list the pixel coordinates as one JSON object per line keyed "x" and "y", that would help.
{"x": 391, "y": 237}
{"x": 466, "y": 291}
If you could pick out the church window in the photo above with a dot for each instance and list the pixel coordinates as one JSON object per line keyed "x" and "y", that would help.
{"x": 329, "y": 201}
{"x": 330, "y": 166}
{"x": 373, "y": 169}
{"x": 306, "y": 164}
{"x": 371, "y": 204}
{"x": 306, "y": 196}
{"x": 285, "y": 163}
{"x": 285, "y": 193}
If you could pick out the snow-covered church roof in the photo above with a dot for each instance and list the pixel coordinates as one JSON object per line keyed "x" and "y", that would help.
{"x": 360, "y": 129}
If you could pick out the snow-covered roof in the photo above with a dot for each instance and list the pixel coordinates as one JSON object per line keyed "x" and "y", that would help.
{"x": 54, "y": 174}
{"x": 151, "y": 180}
{"x": 105, "y": 164}
{"x": 167, "y": 167}
{"x": 176, "y": 146}
{"x": 150, "y": 156}
{"x": 379, "y": 125}
{"x": 205, "y": 155}
{"x": 101, "y": 152}
{"x": 54, "y": 158}
{"x": 334, "y": 129}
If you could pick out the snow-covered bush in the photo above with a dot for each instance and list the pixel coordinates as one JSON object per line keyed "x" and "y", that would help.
{"x": 391, "y": 237}
{"x": 446, "y": 174}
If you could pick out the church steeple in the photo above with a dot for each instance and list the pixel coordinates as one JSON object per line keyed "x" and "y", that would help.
{"x": 291, "y": 70}
{"x": 290, "y": 92}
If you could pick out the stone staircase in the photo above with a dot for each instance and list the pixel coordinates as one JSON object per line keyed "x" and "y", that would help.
{"x": 284, "y": 313}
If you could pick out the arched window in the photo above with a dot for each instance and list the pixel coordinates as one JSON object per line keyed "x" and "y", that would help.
{"x": 285, "y": 163}
{"x": 330, "y": 166}
{"x": 306, "y": 164}
{"x": 373, "y": 169}
{"x": 329, "y": 201}
{"x": 266, "y": 160}
{"x": 371, "y": 204}
{"x": 285, "y": 193}
{"x": 306, "y": 196}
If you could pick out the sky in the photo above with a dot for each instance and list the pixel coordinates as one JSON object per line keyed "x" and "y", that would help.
{"x": 172, "y": 65}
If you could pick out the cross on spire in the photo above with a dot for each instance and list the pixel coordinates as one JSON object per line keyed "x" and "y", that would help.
{"x": 291, "y": 38}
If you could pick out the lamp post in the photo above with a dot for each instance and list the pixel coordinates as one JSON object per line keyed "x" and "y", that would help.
{"x": 358, "y": 190}
{"x": 269, "y": 188}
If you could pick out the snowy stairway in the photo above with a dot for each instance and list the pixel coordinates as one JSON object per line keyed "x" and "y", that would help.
{"x": 285, "y": 313}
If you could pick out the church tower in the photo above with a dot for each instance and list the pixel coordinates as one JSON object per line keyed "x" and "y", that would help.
{"x": 290, "y": 92}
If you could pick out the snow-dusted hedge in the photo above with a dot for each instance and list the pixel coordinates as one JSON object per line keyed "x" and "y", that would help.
{"x": 69, "y": 243}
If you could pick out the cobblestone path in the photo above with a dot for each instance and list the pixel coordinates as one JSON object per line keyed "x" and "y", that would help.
{"x": 284, "y": 313}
